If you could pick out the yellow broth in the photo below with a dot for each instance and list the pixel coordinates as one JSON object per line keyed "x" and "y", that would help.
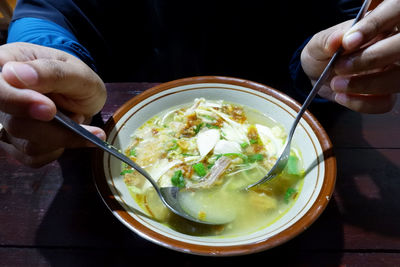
{"x": 252, "y": 210}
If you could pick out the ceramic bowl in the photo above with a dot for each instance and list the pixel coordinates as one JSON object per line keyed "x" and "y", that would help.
{"x": 309, "y": 137}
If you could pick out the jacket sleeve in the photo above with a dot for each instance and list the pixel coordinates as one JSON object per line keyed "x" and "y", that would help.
{"x": 49, "y": 34}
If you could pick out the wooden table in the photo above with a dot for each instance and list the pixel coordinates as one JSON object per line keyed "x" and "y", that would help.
{"x": 54, "y": 215}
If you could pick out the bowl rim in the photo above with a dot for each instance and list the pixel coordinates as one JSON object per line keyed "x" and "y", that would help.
{"x": 301, "y": 225}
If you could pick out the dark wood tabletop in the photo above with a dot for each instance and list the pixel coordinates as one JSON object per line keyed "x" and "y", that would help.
{"x": 53, "y": 216}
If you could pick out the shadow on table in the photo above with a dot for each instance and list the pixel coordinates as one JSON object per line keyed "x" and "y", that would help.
{"x": 368, "y": 181}
{"x": 78, "y": 230}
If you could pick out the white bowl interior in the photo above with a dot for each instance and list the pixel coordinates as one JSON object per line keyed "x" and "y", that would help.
{"x": 305, "y": 139}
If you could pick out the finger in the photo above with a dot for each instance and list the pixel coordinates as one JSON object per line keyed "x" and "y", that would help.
{"x": 382, "y": 19}
{"x": 324, "y": 44}
{"x": 74, "y": 83}
{"x": 321, "y": 48}
{"x": 23, "y": 52}
{"x": 366, "y": 103}
{"x": 32, "y": 161}
{"x": 55, "y": 136}
{"x": 25, "y": 102}
{"x": 377, "y": 56}
{"x": 386, "y": 82}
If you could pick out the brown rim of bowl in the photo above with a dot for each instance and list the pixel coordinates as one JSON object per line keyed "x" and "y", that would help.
{"x": 303, "y": 223}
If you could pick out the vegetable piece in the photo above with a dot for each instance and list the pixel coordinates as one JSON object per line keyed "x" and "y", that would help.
{"x": 253, "y": 141}
{"x": 289, "y": 193}
{"x": 200, "y": 169}
{"x": 174, "y": 145}
{"x": 293, "y": 165}
{"x": 132, "y": 152}
{"x": 198, "y": 127}
{"x": 212, "y": 126}
{"x": 126, "y": 171}
{"x": 177, "y": 179}
{"x": 217, "y": 170}
{"x": 255, "y": 157}
{"x": 244, "y": 145}
{"x": 206, "y": 140}
{"x": 272, "y": 144}
{"x": 224, "y": 146}
{"x": 211, "y": 118}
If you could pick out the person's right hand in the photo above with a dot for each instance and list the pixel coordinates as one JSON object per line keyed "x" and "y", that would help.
{"x": 34, "y": 83}
{"x": 366, "y": 76}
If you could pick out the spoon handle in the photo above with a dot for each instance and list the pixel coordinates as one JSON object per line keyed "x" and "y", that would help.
{"x": 72, "y": 125}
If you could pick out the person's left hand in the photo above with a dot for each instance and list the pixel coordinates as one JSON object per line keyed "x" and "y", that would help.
{"x": 367, "y": 75}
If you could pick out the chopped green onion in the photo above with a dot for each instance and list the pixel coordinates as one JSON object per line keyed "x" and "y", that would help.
{"x": 289, "y": 193}
{"x": 208, "y": 117}
{"x": 244, "y": 145}
{"x": 198, "y": 127}
{"x": 132, "y": 152}
{"x": 212, "y": 126}
{"x": 126, "y": 171}
{"x": 177, "y": 179}
{"x": 256, "y": 157}
{"x": 293, "y": 165}
{"x": 174, "y": 146}
{"x": 200, "y": 169}
{"x": 253, "y": 141}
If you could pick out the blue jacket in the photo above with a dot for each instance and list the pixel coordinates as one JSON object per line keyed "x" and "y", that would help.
{"x": 164, "y": 40}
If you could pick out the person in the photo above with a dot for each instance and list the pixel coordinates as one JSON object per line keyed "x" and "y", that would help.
{"x": 59, "y": 55}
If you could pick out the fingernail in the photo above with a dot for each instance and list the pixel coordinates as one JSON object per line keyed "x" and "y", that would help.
{"x": 352, "y": 40}
{"x": 80, "y": 119}
{"x": 24, "y": 72}
{"x": 340, "y": 83}
{"x": 101, "y": 135}
{"x": 344, "y": 65}
{"x": 341, "y": 98}
{"x": 41, "y": 112}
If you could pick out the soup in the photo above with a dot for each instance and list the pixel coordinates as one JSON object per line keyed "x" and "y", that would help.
{"x": 212, "y": 150}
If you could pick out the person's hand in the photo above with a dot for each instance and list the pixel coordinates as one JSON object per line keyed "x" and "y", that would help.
{"x": 367, "y": 75}
{"x": 34, "y": 83}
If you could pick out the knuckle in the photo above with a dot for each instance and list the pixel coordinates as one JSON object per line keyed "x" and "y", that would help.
{"x": 368, "y": 59}
{"x": 54, "y": 71}
{"x": 373, "y": 25}
{"x": 30, "y": 149}
{"x": 14, "y": 126}
{"x": 11, "y": 126}
{"x": 5, "y": 97}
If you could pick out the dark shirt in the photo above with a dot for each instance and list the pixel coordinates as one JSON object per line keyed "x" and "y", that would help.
{"x": 165, "y": 40}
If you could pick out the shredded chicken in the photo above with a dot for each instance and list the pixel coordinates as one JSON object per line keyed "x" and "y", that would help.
{"x": 217, "y": 171}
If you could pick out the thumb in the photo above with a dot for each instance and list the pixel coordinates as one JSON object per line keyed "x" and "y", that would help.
{"x": 325, "y": 43}
{"x": 320, "y": 49}
{"x": 20, "y": 74}
{"x": 72, "y": 85}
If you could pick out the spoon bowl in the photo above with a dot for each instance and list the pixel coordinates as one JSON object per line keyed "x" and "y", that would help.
{"x": 168, "y": 195}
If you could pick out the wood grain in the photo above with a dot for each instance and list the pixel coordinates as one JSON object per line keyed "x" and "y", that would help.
{"x": 54, "y": 216}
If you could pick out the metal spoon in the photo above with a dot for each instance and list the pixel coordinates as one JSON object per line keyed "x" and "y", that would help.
{"x": 168, "y": 195}
{"x": 282, "y": 161}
